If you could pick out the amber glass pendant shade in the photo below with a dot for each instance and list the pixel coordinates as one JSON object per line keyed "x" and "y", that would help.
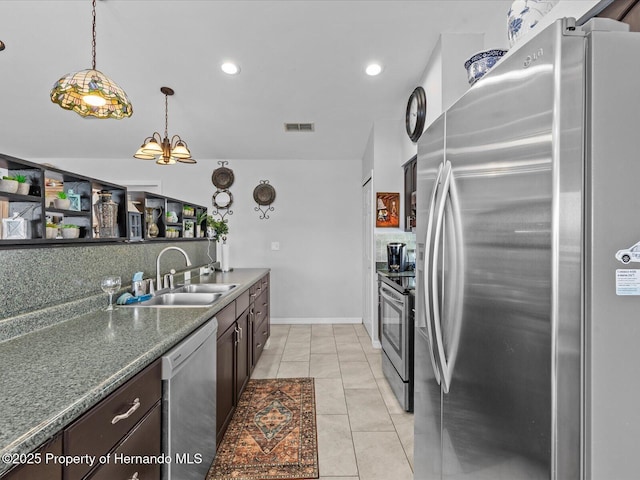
{"x": 91, "y": 93}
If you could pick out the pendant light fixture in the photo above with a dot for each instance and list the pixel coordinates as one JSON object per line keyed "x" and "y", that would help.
{"x": 90, "y": 93}
{"x": 163, "y": 150}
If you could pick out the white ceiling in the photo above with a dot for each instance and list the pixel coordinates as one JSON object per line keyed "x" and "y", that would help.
{"x": 301, "y": 61}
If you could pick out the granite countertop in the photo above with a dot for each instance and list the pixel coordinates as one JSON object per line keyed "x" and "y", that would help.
{"x": 51, "y": 376}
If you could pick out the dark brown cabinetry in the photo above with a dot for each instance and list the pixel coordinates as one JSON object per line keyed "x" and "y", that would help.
{"x": 232, "y": 361}
{"x": 127, "y": 422}
{"x": 143, "y": 442}
{"x": 260, "y": 318}
{"x": 410, "y": 184}
{"x": 123, "y": 421}
{"x": 34, "y": 466}
{"x": 243, "y": 329}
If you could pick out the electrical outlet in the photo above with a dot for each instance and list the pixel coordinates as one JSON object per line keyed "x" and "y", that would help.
{"x": 275, "y": 246}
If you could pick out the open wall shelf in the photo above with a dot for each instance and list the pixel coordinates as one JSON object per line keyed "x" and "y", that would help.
{"x": 38, "y": 216}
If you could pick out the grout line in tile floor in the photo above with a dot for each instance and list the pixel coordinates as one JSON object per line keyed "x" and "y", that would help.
{"x": 363, "y": 433}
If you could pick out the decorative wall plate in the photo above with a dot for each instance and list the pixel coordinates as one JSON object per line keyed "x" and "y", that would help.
{"x": 222, "y": 199}
{"x": 222, "y": 178}
{"x": 264, "y": 194}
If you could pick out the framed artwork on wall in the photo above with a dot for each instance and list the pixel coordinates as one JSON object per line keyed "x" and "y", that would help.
{"x": 387, "y": 210}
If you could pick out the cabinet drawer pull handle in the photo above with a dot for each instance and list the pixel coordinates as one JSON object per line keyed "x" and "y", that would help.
{"x": 240, "y": 328}
{"x": 134, "y": 477}
{"x": 128, "y": 413}
{"x": 258, "y": 345}
{"x": 264, "y": 333}
{"x": 252, "y": 295}
{"x": 265, "y": 304}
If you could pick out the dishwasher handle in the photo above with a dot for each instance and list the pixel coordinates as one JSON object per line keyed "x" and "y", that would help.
{"x": 175, "y": 358}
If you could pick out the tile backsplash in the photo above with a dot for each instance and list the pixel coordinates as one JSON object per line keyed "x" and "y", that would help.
{"x": 383, "y": 238}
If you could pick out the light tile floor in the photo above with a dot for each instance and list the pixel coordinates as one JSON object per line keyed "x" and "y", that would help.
{"x": 363, "y": 433}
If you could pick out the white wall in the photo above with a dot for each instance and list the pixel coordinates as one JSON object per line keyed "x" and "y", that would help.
{"x": 317, "y": 220}
{"x": 445, "y": 79}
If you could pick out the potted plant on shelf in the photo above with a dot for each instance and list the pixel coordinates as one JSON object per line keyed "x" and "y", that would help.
{"x": 8, "y": 184}
{"x": 188, "y": 229}
{"x": 51, "y": 230}
{"x": 62, "y": 201}
{"x": 172, "y": 232}
{"x": 216, "y": 228}
{"x": 70, "y": 231}
{"x": 200, "y": 217}
{"x": 187, "y": 211}
{"x": 23, "y": 186}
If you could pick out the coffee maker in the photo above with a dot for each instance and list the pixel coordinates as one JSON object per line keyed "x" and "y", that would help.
{"x": 396, "y": 257}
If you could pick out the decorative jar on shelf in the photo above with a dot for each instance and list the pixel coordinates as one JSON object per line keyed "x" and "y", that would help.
{"x": 150, "y": 221}
{"x": 106, "y": 211}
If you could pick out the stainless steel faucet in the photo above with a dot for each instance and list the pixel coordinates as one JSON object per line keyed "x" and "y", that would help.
{"x": 187, "y": 274}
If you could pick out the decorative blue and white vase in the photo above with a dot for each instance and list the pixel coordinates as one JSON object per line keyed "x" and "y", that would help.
{"x": 524, "y": 15}
{"x": 481, "y": 63}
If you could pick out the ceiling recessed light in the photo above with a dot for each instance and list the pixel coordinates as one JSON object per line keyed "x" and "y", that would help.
{"x": 230, "y": 68}
{"x": 373, "y": 69}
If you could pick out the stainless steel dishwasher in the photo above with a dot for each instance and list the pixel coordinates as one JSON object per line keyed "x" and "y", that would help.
{"x": 189, "y": 405}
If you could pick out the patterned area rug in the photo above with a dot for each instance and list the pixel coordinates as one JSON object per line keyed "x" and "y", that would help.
{"x": 272, "y": 434}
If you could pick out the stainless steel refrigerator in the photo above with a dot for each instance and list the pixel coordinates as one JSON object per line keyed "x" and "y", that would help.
{"x": 527, "y": 345}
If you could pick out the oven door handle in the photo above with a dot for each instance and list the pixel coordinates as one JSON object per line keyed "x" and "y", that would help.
{"x": 388, "y": 295}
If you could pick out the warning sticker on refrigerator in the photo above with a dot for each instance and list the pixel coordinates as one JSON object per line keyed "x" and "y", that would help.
{"x": 627, "y": 282}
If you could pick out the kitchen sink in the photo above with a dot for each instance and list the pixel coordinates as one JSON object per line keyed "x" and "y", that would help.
{"x": 207, "y": 288}
{"x": 180, "y": 299}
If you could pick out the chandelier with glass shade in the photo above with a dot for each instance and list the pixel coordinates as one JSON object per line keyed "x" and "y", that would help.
{"x": 163, "y": 150}
{"x": 90, "y": 93}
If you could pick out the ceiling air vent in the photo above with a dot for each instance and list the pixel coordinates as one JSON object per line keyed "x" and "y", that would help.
{"x": 299, "y": 127}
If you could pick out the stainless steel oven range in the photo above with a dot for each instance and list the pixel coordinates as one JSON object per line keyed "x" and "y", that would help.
{"x": 395, "y": 309}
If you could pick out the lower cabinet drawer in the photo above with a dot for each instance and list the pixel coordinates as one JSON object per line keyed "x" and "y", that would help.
{"x": 226, "y": 317}
{"x": 102, "y": 427}
{"x": 139, "y": 455}
{"x": 45, "y": 470}
{"x": 261, "y": 307}
{"x": 260, "y": 337}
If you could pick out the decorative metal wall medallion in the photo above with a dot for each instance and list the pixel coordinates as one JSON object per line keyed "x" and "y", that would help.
{"x": 264, "y": 195}
{"x": 222, "y": 178}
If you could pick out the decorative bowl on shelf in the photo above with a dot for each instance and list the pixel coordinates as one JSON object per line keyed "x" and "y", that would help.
{"x": 481, "y": 63}
{"x": 524, "y": 15}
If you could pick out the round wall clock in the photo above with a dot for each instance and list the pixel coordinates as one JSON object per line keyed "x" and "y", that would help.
{"x": 416, "y": 113}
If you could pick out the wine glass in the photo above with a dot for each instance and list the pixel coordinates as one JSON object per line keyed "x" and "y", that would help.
{"x": 110, "y": 285}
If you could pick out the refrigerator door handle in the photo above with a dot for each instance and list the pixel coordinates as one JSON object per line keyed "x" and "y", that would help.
{"x": 449, "y": 194}
{"x": 427, "y": 269}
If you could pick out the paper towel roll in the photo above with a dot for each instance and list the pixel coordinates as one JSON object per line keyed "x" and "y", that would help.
{"x": 224, "y": 260}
